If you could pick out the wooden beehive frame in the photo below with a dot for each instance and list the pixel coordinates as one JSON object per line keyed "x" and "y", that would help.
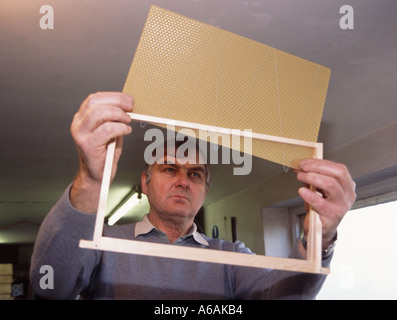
{"x": 312, "y": 264}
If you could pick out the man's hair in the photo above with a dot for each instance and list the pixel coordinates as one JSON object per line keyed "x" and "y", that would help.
{"x": 176, "y": 144}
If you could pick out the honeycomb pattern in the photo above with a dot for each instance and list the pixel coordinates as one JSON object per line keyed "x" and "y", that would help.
{"x": 190, "y": 71}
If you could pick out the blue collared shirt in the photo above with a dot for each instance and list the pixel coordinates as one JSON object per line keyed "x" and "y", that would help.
{"x": 145, "y": 226}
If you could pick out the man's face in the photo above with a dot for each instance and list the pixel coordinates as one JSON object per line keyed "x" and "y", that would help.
{"x": 175, "y": 189}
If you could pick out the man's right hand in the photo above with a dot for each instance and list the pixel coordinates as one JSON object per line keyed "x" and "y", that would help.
{"x": 101, "y": 118}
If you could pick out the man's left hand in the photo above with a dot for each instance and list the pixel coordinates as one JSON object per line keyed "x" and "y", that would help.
{"x": 334, "y": 195}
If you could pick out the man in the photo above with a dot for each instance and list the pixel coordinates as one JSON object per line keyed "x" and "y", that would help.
{"x": 175, "y": 191}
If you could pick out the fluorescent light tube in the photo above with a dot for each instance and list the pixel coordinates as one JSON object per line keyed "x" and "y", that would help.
{"x": 127, "y": 206}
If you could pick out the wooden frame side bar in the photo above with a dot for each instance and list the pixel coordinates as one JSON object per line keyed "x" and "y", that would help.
{"x": 311, "y": 265}
{"x": 314, "y": 240}
{"x": 105, "y": 186}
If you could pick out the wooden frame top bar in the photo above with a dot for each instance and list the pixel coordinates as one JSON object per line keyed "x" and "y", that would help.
{"x": 235, "y": 132}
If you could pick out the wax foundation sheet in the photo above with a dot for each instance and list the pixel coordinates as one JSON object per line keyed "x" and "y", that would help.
{"x": 190, "y": 71}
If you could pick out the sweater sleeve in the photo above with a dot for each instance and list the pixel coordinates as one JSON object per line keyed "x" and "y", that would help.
{"x": 57, "y": 248}
{"x": 297, "y": 285}
{"x": 254, "y": 283}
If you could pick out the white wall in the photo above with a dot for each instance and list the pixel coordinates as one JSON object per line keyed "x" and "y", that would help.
{"x": 277, "y": 232}
{"x": 247, "y": 206}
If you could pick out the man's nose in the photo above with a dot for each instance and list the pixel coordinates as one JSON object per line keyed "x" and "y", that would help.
{"x": 182, "y": 180}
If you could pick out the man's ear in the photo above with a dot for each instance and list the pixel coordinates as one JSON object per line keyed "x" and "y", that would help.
{"x": 143, "y": 182}
{"x": 207, "y": 188}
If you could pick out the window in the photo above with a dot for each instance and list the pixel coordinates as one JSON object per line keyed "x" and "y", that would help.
{"x": 364, "y": 265}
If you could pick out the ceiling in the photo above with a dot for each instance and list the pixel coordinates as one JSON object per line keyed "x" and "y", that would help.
{"x": 46, "y": 74}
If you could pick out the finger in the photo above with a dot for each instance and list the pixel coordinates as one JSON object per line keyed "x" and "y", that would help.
{"x": 322, "y": 166}
{"x": 116, "y": 99}
{"x": 312, "y": 199}
{"x": 330, "y": 213}
{"x": 119, "y": 99}
{"x": 330, "y": 187}
{"x": 108, "y": 131}
{"x": 329, "y": 168}
{"x": 335, "y": 203}
{"x": 97, "y": 115}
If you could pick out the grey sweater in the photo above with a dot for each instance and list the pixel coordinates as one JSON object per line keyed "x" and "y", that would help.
{"x": 94, "y": 274}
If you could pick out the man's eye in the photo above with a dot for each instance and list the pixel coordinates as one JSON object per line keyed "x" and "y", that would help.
{"x": 196, "y": 175}
{"x": 170, "y": 170}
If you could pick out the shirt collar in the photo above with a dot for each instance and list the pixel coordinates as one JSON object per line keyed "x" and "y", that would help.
{"x": 145, "y": 226}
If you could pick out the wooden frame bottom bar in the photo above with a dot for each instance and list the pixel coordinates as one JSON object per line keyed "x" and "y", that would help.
{"x": 202, "y": 255}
